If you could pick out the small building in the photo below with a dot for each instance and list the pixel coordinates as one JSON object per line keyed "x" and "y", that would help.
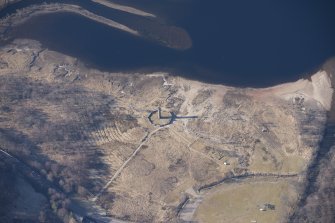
{"x": 267, "y": 206}
{"x": 162, "y": 118}
{"x": 270, "y": 206}
{"x": 264, "y": 129}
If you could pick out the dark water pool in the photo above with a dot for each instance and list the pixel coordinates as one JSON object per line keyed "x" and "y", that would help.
{"x": 240, "y": 42}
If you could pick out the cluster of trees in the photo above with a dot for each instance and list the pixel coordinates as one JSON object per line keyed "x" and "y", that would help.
{"x": 52, "y": 155}
{"x": 61, "y": 186}
{"x": 60, "y": 205}
{"x": 62, "y": 177}
{"x": 320, "y": 204}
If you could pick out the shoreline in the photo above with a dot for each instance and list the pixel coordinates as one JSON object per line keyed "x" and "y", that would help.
{"x": 35, "y": 10}
{"x": 124, "y": 8}
{"x": 5, "y": 3}
{"x": 178, "y": 38}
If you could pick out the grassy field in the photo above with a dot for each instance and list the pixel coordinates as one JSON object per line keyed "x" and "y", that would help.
{"x": 270, "y": 160}
{"x": 242, "y": 203}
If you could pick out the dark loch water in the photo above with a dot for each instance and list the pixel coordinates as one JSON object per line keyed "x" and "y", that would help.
{"x": 241, "y": 42}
